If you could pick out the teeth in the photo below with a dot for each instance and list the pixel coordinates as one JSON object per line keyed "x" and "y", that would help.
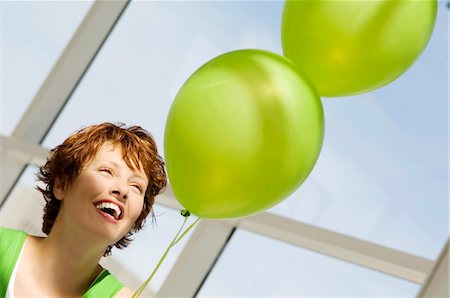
{"x": 112, "y": 206}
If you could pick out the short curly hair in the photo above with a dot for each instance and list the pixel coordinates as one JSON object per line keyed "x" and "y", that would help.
{"x": 67, "y": 161}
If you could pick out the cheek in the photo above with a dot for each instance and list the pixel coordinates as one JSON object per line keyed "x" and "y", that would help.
{"x": 96, "y": 184}
{"x": 136, "y": 208}
{"x": 93, "y": 186}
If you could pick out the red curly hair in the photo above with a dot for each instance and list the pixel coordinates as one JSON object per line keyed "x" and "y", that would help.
{"x": 67, "y": 161}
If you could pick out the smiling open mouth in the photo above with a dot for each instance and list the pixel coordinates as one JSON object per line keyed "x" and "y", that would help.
{"x": 109, "y": 208}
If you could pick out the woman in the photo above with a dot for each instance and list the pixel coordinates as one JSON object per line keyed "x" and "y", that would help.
{"x": 100, "y": 186}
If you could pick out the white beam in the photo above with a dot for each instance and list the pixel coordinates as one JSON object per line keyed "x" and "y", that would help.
{"x": 437, "y": 282}
{"x": 197, "y": 258}
{"x": 28, "y": 150}
{"x": 370, "y": 255}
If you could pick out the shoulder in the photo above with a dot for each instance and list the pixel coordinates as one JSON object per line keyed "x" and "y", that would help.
{"x": 9, "y": 231}
{"x": 11, "y": 239}
{"x": 11, "y": 243}
{"x": 107, "y": 285}
{"x": 124, "y": 292}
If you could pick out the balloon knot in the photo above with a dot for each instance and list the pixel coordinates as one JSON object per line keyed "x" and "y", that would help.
{"x": 185, "y": 213}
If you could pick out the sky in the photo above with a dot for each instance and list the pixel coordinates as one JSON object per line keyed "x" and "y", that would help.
{"x": 382, "y": 175}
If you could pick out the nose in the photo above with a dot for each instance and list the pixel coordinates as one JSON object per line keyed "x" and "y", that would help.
{"x": 119, "y": 190}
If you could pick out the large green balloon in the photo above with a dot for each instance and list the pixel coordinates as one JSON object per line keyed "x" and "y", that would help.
{"x": 243, "y": 133}
{"x": 351, "y": 47}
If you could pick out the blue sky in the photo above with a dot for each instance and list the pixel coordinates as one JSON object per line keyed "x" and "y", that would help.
{"x": 383, "y": 171}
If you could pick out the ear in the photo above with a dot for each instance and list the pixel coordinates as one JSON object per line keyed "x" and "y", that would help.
{"x": 58, "y": 189}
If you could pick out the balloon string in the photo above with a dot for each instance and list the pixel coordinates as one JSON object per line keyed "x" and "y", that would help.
{"x": 175, "y": 240}
{"x": 187, "y": 231}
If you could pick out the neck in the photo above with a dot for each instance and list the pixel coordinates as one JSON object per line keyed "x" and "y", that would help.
{"x": 71, "y": 260}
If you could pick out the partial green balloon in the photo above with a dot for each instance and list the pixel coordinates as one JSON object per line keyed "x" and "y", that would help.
{"x": 352, "y": 47}
{"x": 243, "y": 133}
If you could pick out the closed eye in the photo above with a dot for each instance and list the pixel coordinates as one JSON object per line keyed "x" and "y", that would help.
{"x": 138, "y": 187}
{"x": 106, "y": 170}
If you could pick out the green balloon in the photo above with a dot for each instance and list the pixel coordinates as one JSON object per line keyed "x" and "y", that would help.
{"x": 352, "y": 47}
{"x": 243, "y": 133}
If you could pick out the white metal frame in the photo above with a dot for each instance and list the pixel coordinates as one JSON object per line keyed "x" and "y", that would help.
{"x": 209, "y": 238}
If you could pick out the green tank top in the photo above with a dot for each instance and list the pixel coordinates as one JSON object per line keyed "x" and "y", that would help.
{"x": 11, "y": 243}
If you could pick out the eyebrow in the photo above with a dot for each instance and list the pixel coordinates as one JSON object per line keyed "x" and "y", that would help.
{"x": 117, "y": 166}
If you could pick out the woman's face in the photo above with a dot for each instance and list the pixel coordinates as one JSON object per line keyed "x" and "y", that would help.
{"x": 105, "y": 199}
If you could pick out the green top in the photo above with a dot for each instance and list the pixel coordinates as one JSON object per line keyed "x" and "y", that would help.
{"x": 11, "y": 243}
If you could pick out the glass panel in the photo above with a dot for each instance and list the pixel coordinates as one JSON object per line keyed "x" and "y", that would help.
{"x": 154, "y": 48}
{"x": 33, "y": 34}
{"x": 255, "y": 266}
{"x": 382, "y": 173}
{"x": 151, "y": 52}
